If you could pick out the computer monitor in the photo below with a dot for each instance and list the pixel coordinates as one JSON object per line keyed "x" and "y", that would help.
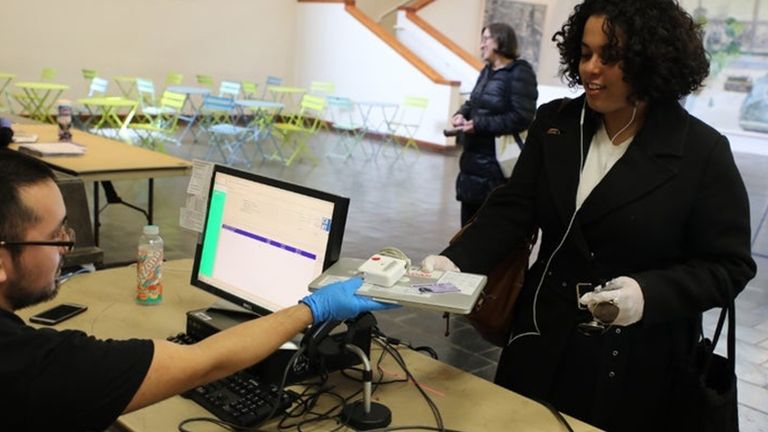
{"x": 265, "y": 240}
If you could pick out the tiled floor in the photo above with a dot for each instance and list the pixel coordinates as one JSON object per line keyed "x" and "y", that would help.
{"x": 410, "y": 205}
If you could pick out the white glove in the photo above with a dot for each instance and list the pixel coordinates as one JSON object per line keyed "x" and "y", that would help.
{"x": 438, "y": 262}
{"x": 625, "y": 293}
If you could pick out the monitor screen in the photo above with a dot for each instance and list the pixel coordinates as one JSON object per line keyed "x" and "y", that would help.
{"x": 265, "y": 240}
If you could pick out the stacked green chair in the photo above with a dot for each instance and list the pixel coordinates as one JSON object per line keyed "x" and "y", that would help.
{"x": 295, "y": 134}
{"x": 163, "y": 125}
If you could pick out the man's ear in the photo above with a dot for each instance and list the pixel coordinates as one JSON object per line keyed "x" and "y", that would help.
{"x": 5, "y": 258}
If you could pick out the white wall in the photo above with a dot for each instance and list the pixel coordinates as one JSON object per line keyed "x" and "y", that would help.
{"x": 460, "y": 20}
{"x": 435, "y": 54}
{"x": 234, "y": 39}
{"x": 363, "y": 67}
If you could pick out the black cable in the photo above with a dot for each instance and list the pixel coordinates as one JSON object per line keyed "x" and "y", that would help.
{"x": 254, "y": 428}
{"x": 401, "y": 362}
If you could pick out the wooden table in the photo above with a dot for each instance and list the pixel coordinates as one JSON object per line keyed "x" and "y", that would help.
{"x": 106, "y": 160}
{"x": 466, "y": 402}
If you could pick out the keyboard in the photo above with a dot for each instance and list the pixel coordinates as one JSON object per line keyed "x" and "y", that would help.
{"x": 239, "y": 398}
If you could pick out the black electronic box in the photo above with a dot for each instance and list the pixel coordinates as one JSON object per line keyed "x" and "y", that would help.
{"x": 202, "y": 323}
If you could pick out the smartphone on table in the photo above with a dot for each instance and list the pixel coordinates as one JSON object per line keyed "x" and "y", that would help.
{"x": 58, "y": 313}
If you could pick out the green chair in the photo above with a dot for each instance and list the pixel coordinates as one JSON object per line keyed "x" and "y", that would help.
{"x": 249, "y": 89}
{"x": 5, "y": 81}
{"x": 164, "y": 125}
{"x": 409, "y": 118}
{"x": 47, "y": 74}
{"x": 322, "y": 88}
{"x": 205, "y": 80}
{"x": 88, "y": 74}
{"x": 295, "y": 134}
{"x": 173, "y": 79}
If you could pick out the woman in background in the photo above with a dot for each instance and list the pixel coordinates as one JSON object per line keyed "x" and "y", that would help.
{"x": 503, "y": 102}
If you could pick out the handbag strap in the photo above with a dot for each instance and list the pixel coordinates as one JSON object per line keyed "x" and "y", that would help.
{"x": 730, "y": 311}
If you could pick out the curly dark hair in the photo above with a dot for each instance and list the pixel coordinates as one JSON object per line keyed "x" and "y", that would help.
{"x": 657, "y": 43}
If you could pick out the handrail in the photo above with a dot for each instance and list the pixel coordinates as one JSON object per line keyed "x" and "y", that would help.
{"x": 418, "y": 4}
{"x": 438, "y": 36}
{"x": 401, "y": 49}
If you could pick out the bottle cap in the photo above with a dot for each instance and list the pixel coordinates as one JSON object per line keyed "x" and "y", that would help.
{"x": 151, "y": 230}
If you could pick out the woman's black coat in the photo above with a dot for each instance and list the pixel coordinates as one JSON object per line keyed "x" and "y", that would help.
{"x": 502, "y": 102}
{"x": 672, "y": 213}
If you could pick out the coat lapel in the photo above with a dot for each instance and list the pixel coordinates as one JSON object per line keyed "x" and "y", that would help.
{"x": 651, "y": 160}
{"x": 562, "y": 156}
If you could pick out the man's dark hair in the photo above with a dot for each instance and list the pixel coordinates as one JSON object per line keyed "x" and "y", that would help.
{"x": 505, "y": 38}
{"x": 17, "y": 171}
{"x": 658, "y": 44}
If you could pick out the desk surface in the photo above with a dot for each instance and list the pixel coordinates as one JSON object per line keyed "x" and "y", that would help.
{"x": 467, "y": 403}
{"x": 107, "y": 159}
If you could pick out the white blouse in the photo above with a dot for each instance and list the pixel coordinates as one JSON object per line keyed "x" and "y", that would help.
{"x": 602, "y": 155}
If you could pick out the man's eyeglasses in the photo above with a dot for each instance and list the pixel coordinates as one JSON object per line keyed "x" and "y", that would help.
{"x": 65, "y": 239}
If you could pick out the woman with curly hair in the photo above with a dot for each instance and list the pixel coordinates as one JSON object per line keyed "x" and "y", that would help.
{"x": 632, "y": 195}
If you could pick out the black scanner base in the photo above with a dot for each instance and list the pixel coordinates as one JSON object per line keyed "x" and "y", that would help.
{"x": 202, "y": 323}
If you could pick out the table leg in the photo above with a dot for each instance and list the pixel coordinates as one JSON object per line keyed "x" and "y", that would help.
{"x": 96, "y": 222}
{"x": 151, "y": 201}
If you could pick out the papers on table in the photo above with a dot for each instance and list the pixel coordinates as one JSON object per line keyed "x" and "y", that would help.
{"x": 24, "y": 137}
{"x": 53, "y": 149}
{"x": 192, "y": 215}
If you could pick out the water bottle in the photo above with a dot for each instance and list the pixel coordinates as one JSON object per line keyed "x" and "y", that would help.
{"x": 149, "y": 287}
{"x": 64, "y": 119}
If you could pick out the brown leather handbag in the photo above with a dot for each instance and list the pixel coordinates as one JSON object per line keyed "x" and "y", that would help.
{"x": 492, "y": 314}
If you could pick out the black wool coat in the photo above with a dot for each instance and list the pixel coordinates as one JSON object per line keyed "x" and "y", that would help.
{"x": 503, "y": 101}
{"x": 672, "y": 213}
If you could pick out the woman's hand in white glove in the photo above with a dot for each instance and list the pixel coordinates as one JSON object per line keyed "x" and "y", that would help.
{"x": 623, "y": 292}
{"x": 438, "y": 262}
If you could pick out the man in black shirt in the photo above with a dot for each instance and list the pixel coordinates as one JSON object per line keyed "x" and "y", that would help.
{"x": 66, "y": 380}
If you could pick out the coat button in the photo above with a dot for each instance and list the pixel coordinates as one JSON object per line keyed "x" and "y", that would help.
{"x": 611, "y": 374}
{"x": 618, "y": 331}
{"x": 615, "y": 353}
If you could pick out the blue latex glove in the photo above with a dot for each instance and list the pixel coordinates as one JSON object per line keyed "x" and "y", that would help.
{"x": 338, "y": 301}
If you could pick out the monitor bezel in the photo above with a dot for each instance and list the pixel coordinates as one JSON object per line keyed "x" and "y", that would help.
{"x": 335, "y": 236}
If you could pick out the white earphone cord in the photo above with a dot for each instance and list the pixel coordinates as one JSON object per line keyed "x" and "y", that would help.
{"x": 537, "y": 332}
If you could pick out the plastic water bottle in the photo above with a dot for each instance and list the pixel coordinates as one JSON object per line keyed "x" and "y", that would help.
{"x": 149, "y": 286}
{"x": 64, "y": 119}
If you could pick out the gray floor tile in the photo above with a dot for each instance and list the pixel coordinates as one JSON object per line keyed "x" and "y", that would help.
{"x": 753, "y": 396}
{"x": 751, "y": 420}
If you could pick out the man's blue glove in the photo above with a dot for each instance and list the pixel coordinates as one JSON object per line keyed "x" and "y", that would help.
{"x": 338, "y": 301}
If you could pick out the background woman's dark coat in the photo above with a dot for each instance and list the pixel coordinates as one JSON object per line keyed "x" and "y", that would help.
{"x": 502, "y": 102}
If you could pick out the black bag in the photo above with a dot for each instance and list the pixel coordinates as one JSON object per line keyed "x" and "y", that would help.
{"x": 707, "y": 391}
